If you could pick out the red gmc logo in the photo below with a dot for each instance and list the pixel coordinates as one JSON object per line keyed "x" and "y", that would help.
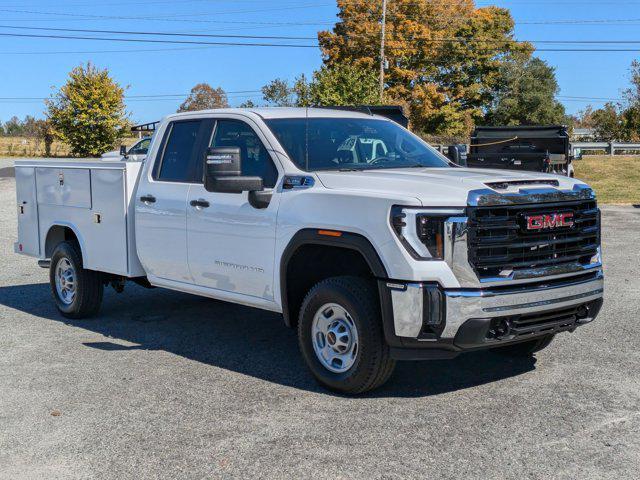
{"x": 550, "y": 221}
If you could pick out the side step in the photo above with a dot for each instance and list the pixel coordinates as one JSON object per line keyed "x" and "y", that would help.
{"x": 44, "y": 263}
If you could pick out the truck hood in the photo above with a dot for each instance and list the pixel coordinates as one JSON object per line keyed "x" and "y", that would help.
{"x": 448, "y": 187}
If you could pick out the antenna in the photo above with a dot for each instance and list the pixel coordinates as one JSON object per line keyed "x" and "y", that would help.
{"x": 382, "y": 48}
{"x": 306, "y": 139}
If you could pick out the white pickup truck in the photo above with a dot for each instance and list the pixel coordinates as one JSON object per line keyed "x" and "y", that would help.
{"x": 368, "y": 241}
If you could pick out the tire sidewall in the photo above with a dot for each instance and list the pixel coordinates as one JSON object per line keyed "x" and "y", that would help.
{"x": 68, "y": 251}
{"x": 367, "y": 338}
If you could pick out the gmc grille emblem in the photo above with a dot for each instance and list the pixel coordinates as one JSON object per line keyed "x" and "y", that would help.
{"x": 550, "y": 221}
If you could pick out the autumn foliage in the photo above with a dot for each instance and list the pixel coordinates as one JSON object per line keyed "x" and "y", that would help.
{"x": 443, "y": 57}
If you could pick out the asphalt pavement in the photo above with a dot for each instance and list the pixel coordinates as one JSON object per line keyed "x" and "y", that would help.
{"x": 167, "y": 385}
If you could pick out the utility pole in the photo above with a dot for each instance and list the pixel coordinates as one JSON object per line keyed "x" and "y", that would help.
{"x": 382, "y": 45}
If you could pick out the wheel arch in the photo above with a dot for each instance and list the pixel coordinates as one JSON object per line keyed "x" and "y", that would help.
{"x": 60, "y": 232}
{"x": 352, "y": 248}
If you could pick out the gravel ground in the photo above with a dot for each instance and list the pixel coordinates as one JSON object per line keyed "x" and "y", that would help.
{"x": 166, "y": 385}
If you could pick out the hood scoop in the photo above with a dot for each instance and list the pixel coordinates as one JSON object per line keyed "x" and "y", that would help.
{"x": 508, "y": 184}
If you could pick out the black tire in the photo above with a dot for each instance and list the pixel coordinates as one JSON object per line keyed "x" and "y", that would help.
{"x": 526, "y": 349}
{"x": 373, "y": 365}
{"x": 88, "y": 284}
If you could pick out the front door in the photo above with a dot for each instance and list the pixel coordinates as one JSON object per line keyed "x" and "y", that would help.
{"x": 231, "y": 243}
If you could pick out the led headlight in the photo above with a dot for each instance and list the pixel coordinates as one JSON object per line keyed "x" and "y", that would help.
{"x": 421, "y": 231}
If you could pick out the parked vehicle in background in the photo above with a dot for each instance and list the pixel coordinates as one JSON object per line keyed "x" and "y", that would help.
{"x": 372, "y": 245}
{"x": 457, "y": 154}
{"x": 532, "y": 148}
{"x": 137, "y": 153}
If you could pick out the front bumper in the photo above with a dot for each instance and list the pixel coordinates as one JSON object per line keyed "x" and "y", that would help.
{"x": 431, "y": 322}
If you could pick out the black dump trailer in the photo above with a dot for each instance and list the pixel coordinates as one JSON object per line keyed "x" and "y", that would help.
{"x": 533, "y": 148}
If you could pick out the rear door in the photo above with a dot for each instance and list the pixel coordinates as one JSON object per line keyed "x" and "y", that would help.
{"x": 161, "y": 202}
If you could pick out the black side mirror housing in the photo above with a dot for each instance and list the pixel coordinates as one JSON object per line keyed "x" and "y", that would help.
{"x": 223, "y": 172}
{"x": 123, "y": 150}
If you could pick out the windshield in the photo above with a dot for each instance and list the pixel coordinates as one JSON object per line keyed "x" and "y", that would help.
{"x": 352, "y": 144}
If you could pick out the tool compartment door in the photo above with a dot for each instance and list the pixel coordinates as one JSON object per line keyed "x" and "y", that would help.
{"x": 65, "y": 187}
{"x": 28, "y": 233}
{"x": 105, "y": 226}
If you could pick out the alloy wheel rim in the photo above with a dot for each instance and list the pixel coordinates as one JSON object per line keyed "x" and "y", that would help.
{"x": 65, "y": 277}
{"x": 335, "y": 338}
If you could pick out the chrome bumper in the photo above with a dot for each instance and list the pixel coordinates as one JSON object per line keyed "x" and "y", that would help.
{"x": 410, "y": 308}
{"x": 463, "y": 305}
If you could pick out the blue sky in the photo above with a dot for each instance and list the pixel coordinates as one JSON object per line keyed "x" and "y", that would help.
{"x": 30, "y": 67}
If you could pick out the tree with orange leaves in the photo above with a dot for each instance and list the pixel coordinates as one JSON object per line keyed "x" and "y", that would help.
{"x": 443, "y": 57}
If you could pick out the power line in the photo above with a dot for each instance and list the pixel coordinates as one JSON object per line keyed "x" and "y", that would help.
{"x": 133, "y": 50}
{"x": 143, "y": 40}
{"x": 283, "y": 37}
{"x": 172, "y": 17}
{"x": 567, "y": 97}
{"x": 170, "y": 34}
{"x": 163, "y": 95}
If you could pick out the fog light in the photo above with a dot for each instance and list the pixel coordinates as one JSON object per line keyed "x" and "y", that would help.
{"x": 583, "y": 312}
{"x": 499, "y": 328}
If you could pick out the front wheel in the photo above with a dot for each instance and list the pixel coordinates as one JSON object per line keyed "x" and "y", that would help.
{"x": 76, "y": 291}
{"x": 341, "y": 337}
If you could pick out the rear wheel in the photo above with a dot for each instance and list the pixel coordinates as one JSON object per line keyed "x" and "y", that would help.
{"x": 341, "y": 337}
{"x": 76, "y": 291}
{"x": 526, "y": 349}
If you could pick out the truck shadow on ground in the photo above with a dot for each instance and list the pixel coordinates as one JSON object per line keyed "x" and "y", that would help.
{"x": 244, "y": 340}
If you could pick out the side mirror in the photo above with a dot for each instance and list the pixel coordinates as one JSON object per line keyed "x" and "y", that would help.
{"x": 223, "y": 172}
{"x": 123, "y": 150}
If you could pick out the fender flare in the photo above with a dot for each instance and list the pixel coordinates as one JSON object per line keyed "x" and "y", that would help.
{"x": 311, "y": 236}
{"x": 75, "y": 232}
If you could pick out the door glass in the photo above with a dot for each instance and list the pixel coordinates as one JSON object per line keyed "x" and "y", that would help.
{"x": 180, "y": 153}
{"x": 256, "y": 161}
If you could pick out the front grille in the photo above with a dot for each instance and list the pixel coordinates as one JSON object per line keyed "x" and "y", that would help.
{"x": 499, "y": 242}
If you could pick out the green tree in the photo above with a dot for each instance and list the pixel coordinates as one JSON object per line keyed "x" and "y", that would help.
{"x": 88, "y": 112}
{"x": 527, "y": 96}
{"x": 631, "y": 113}
{"x": 204, "y": 97}
{"x": 45, "y": 132}
{"x": 248, "y": 104}
{"x": 344, "y": 85}
{"x": 608, "y": 123}
{"x": 443, "y": 58}
{"x": 14, "y": 127}
{"x": 282, "y": 93}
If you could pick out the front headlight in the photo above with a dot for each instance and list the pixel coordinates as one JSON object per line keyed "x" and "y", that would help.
{"x": 421, "y": 231}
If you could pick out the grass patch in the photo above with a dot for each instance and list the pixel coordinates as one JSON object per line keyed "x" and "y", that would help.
{"x": 616, "y": 180}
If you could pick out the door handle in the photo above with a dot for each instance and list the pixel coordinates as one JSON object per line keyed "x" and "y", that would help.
{"x": 200, "y": 203}
{"x": 148, "y": 199}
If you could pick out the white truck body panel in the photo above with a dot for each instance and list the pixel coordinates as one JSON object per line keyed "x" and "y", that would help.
{"x": 28, "y": 230}
{"x": 94, "y": 199}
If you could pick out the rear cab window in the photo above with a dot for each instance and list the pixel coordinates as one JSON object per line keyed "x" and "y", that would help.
{"x": 180, "y": 152}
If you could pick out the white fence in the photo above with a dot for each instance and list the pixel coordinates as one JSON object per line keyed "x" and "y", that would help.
{"x": 609, "y": 148}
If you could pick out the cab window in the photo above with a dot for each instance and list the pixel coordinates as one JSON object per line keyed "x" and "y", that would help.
{"x": 256, "y": 161}
{"x": 180, "y": 153}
